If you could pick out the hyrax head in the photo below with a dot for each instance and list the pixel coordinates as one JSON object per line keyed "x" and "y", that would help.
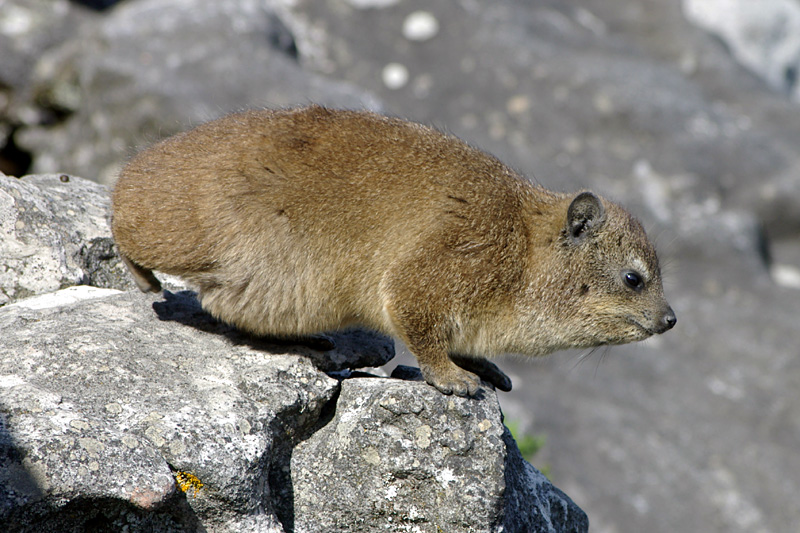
{"x": 615, "y": 275}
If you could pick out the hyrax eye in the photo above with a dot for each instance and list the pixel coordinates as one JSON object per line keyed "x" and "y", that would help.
{"x": 633, "y": 280}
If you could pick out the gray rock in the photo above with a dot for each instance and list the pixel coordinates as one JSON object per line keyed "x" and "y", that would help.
{"x": 27, "y": 29}
{"x": 55, "y": 234}
{"x": 109, "y": 406}
{"x": 121, "y": 400}
{"x": 151, "y": 68}
{"x": 589, "y": 121}
{"x": 763, "y": 36}
{"x": 415, "y": 460}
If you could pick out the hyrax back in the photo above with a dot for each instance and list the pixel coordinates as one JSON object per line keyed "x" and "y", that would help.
{"x": 300, "y": 221}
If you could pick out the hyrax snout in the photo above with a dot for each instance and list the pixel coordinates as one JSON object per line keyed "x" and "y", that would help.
{"x": 293, "y": 222}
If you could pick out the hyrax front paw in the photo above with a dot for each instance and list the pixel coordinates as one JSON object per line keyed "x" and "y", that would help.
{"x": 452, "y": 380}
{"x": 484, "y": 368}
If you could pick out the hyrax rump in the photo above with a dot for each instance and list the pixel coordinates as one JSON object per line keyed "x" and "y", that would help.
{"x": 293, "y": 222}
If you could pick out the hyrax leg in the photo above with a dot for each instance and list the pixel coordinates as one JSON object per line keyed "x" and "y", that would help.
{"x": 143, "y": 277}
{"x": 485, "y": 369}
{"x": 440, "y": 371}
{"x": 424, "y": 338}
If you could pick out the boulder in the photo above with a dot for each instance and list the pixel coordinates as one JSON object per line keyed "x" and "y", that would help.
{"x": 416, "y": 460}
{"x": 162, "y": 66}
{"x": 28, "y": 29}
{"x": 105, "y": 402}
{"x": 55, "y": 234}
{"x": 120, "y": 410}
{"x": 763, "y": 36}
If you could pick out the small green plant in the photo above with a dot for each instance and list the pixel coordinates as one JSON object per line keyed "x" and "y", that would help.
{"x": 528, "y": 444}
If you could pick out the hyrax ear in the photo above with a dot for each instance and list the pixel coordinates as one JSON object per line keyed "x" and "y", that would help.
{"x": 585, "y": 214}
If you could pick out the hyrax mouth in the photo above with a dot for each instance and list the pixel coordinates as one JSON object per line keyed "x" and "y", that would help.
{"x": 640, "y": 331}
{"x": 666, "y": 322}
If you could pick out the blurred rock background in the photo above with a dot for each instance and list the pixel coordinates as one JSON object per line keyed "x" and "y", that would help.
{"x": 686, "y": 112}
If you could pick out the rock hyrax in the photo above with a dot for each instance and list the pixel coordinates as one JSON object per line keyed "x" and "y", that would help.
{"x": 299, "y": 221}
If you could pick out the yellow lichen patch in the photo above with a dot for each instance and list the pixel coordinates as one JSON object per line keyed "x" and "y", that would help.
{"x": 188, "y": 483}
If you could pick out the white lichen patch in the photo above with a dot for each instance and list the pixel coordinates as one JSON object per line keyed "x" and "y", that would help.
{"x": 113, "y": 408}
{"x": 11, "y": 380}
{"x": 445, "y": 477}
{"x": 93, "y": 447}
{"x": 423, "y": 436}
{"x": 371, "y": 456}
{"x": 177, "y": 448}
{"x": 154, "y": 434}
{"x": 80, "y": 425}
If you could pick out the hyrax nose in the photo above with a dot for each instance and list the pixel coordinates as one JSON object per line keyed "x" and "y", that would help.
{"x": 668, "y": 320}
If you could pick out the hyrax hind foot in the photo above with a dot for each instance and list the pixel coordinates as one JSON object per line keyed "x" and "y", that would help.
{"x": 451, "y": 379}
{"x": 143, "y": 277}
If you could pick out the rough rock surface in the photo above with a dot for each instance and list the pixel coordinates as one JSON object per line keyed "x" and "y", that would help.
{"x": 763, "y": 36}
{"x": 416, "y": 460}
{"x": 694, "y": 431}
{"x": 54, "y": 233}
{"x": 107, "y": 398}
{"x": 161, "y": 65}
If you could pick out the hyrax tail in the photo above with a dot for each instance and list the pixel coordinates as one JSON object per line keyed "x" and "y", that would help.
{"x": 143, "y": 277}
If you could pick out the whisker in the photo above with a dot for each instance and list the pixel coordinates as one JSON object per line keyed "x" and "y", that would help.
{"x": 585, "y": 356}
{"x": 603, "y": 352}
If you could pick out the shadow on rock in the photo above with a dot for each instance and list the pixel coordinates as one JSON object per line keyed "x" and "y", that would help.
{"x": 334, "y": 351}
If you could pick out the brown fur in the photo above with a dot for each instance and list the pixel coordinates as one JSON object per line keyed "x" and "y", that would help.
{"x": 300, "y": 221}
